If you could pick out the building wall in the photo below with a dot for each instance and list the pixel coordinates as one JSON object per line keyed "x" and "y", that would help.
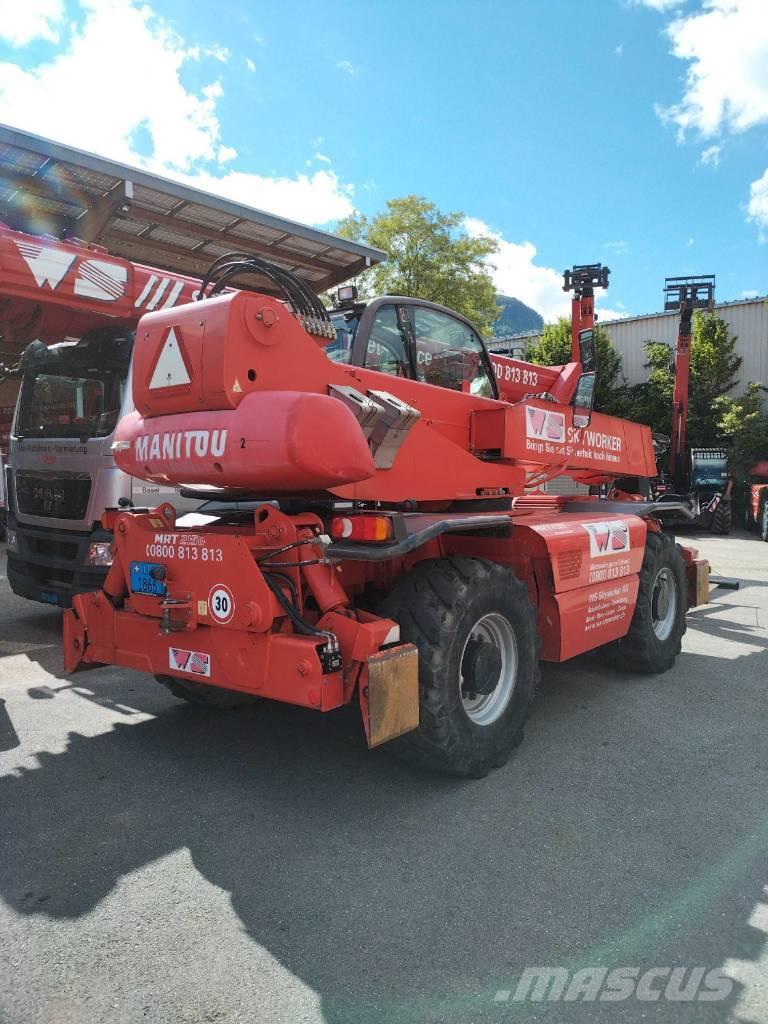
{"x": 747, "y": 319}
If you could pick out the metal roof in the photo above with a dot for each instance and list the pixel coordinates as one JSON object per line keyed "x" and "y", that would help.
{"x": 48, "y": 188}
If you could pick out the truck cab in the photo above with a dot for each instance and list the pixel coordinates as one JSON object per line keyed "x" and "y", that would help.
{"x": 61, "y": 473}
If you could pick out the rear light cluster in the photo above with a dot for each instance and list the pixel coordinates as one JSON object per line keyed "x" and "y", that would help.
{"x": 362, "y": 527}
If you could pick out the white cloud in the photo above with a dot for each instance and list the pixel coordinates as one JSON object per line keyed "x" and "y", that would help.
{"x": 250, "y": 64}
{"x": 757, "y": 207}
{"x": 749, "y": 293}
{"x": 619, "y": 51}
{"x": 218, "y": 52}
{"x": 516, "y": 273}
{"x": 658, "y": 5}
{"x": 57, "y": 98}
{"x": 726, "y": 87}
{"x": 726, "y": 84}
{"x": 711, "y": 156}
{"x": 309, "y": 198}
{"x": 604, "y": 314}
{"x": 689, "y": 243}
{"x": 619, "y": 248}
{"x": 347, "y": 67}
{"x": 25, "y": 21}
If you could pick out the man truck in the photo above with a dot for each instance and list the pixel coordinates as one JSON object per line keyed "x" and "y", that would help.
{"x": 87, "y": 247}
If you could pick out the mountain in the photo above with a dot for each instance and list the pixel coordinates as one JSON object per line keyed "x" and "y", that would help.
{"x": 515, "y": 317}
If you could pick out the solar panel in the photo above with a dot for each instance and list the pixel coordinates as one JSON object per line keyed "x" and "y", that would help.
{"x": 49, "y": 188}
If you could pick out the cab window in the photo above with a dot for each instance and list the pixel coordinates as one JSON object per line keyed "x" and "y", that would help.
{"x": 449, "y": 354}
{"x": 340, "y": 349}
{"x": 387, "y": 348}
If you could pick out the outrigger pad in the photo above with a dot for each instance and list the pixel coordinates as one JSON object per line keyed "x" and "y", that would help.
{"x": 392, "y": 705}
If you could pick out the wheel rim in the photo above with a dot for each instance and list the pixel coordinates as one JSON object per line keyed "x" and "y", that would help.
{"x": 664, "y": 603}
{"x": 486, "y": 708}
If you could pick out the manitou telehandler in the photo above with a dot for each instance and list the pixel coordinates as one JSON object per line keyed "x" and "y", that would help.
{"x": 374, "y": 529}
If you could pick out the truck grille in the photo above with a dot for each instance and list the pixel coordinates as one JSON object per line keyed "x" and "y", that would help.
{"x": 53, "y": 495}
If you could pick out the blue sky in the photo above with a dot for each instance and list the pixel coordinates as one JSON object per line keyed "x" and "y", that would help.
{"x": 631, "y": 132}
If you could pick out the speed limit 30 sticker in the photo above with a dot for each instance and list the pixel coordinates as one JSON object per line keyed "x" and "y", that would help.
{"x": 221, "y": 603}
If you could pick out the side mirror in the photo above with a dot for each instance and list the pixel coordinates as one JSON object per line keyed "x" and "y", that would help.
{"x": 588, "y": 351}
{"x": 584, "y": 400}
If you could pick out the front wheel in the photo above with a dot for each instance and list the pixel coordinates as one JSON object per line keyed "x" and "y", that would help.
{"x": 658, "y": 623}
{"x": 475, "y": 630}
{"x": 721, "y": 520}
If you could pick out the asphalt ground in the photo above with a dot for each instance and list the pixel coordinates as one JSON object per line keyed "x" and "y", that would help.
{"x": 163, "y": 863}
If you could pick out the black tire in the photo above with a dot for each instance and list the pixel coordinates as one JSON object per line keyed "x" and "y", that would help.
{"x": 201, "y": 693}
{"x": 721, "y": 520}
{"x": 762, "y": 516}
{"x": 439, "y": 605}
{"x": 643, "y": 649}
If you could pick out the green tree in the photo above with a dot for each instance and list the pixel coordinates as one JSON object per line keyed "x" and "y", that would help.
{"x": 429, "y": 256}
{"x": 714, "y": 371}
{"x": 554, "y": 348}
{"x": 743, "y": 426}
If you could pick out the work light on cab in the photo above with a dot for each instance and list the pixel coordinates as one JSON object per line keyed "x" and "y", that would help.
{"x": 361, "y": 527}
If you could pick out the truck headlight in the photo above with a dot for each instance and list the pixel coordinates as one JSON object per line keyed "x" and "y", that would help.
{"x": 101, "y": 552}
{"x": 11, "y": 540}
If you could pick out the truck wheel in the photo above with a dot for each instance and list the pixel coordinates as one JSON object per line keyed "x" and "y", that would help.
{"x": 762, "y": 517}
{"x": 658, "y": 623}
{"x": 201, "y": 693}
{"x": 475, "y": 629}
{"x": 721, "y": 520}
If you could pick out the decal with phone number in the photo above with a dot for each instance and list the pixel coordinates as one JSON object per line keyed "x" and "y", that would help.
{"x": 172, "y": 546}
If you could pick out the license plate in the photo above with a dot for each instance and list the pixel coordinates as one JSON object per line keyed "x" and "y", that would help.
{"x": 142, "y": 580}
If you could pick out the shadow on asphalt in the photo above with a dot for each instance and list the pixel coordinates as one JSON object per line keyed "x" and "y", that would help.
{"x": 412, "y": 898}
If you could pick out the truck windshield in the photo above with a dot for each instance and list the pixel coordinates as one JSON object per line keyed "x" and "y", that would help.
{"x": 75, "y": 401}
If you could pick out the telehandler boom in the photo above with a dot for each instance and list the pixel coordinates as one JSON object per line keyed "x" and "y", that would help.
{"x": 374, "y": 526}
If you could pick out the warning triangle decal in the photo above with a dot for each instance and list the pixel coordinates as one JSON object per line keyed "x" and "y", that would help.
{"x": 171, "y": 366}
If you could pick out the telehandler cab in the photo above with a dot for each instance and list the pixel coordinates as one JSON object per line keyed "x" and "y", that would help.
{"x": 375, "y": 525}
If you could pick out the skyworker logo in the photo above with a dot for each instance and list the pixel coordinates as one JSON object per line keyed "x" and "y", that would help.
{"x": 544, "y": 426}
{"x": 194, "y": 662}
{"x": 608, "y": 538}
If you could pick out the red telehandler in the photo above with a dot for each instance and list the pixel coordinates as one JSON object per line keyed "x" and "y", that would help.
{"x": 373, "y": 528}
{"x": 697, "y": 477}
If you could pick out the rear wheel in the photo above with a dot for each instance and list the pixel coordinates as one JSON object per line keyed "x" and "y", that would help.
{"x": 658, "y": 623}
{"x": 201, "y": 693}
{"x": 475, "y": 630}
{"x": 721, "y": 520}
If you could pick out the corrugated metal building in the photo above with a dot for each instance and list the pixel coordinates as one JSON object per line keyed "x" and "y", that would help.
{"x": 746, "y": 318}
